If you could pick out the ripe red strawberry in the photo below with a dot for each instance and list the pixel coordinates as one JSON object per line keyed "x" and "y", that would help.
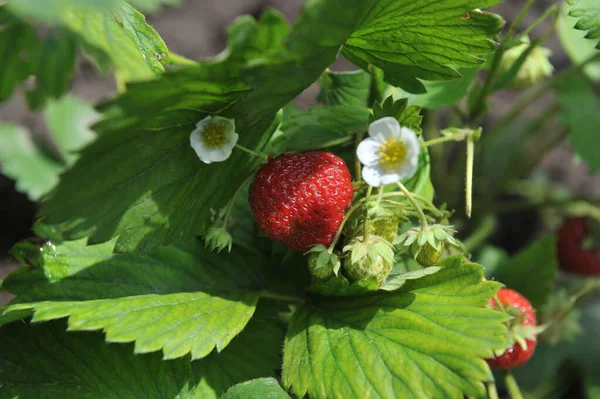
{"x": 522, "y": 335}
{"x": 571, "y": 249}
{"x": 300, "y": 199}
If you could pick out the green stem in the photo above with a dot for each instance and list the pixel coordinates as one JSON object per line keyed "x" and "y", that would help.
{"x": 479, "y": 236}
{"x": 584, "y": 293}
{"x": 552, "y": 10}
{"x": 380, "y": 192}
{"x": 253, "y": 153}
{"x": 512, "y": 386}
{"x": 492, "y": 391}
{"x": 333, "y": 143}
{"x": 479, "y": 106}
{"x": 469, "y": 176}
{"x": 444, "y": 139}
{"x": 515, "y": 25}
{"x": 422, "y": 218}
{"x": 346, "y": 217}
{"x": 281, "y": 297}
{"x": 232, "y": 200}
{"x": 177, "y": 59}
{"x": 366, "y": 221}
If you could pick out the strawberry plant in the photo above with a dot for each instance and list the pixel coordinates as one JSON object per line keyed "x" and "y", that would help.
{"x": 200, "y": 235}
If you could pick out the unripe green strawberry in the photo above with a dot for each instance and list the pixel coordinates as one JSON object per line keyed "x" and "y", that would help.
{"x": 386, "y": 228}
{"x": 365, "y": 269}
{"x": 536, "y": 67}
{"x": 371, "y": 258}
{"x": 429, "y": 256}
{"x": 318, "y": 269}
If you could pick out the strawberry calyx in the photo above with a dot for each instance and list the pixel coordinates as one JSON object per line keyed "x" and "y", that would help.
{"x": 322, "y": 262}
{"x": 521, "y": 327}
{"x": 368, "y": 257}
{"x": 427, "y": 244}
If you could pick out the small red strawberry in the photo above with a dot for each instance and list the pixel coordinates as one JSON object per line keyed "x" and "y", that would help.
{"x": 575, "y": 247}
{"x": 522, "y": 332}
{"x": 300, "y": 199}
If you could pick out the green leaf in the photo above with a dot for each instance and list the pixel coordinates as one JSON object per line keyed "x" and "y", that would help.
{"x": 407, "y": 115}
{"x": 39, "y": 9}
{"x": 261, "y": 388}
{"x": 440, "y": 94}
{"x": 320, "y": 127}
{"x": 580, "y": 114}
{"x": 255, "y": 353}
{"x": 35, "y": 171}
{"x": 45, "y": 362}
{"x": 23, "y": 54}
{"x": 121, "y": 39}
{"x": 141, "y": 180}
{"x": 588, "y": 14}
{"x": 576, "y": 46}
{"x": 179, "y": 299}
{"x": 423, "y": 39}
{"x": 395, "y": 281}
{"x": 30, "y": 162}
{"x": 69, "y": 121}
{"x": 345, "y": 88}
{"x": 536, "y": 263}
{"x": 426, "y": 340}
{"x": 53, "y": 67}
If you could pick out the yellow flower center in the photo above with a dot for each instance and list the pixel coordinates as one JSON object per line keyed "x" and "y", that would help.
{"x": 213, "y": 135}
{"x": 392, "y": 153}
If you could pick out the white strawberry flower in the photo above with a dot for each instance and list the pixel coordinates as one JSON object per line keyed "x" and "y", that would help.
{"x": 214, "y": 139}
{"x": 389, "y": 154}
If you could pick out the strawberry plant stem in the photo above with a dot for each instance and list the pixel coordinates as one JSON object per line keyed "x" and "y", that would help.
{"x": 550, "y": 11}
{"x": 232, "y": 200}
{"x": 443, "y": 139}
{"x": 469, "y": 176}
{"x": 416, "y": 206}
{"x": 253, "y": 153}
{"x": 515, "y": 25}
{"x": 492, "y": 391}
{"x": 176, "y": 59}
{"x": 512, "y": 386}
{"x": 346, "y": 217}
{"x": 366, "y": 221}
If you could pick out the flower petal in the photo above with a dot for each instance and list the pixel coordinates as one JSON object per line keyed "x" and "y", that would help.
{"x": 376, "y": 176}
{"x": 198, "y": 145}
{"x": 383, "y": 128}
{"x": 219, "y": 154}
{"x": 204, "y": 121}
{"x": 367, "y": 152}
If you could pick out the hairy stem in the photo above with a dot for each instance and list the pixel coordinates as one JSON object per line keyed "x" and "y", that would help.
{"x": 515, "y": 25}
{"x": 416, "y": 206}
{"x": 512, "y": 386}
{"x": 366, "y": 221}
{"x": 177, "y": 59}
{"x": 492, "y": 391}
{"x": 550, "y": 11}
{"x": 469, "y": 176}
{"x": 253, "y": 153}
